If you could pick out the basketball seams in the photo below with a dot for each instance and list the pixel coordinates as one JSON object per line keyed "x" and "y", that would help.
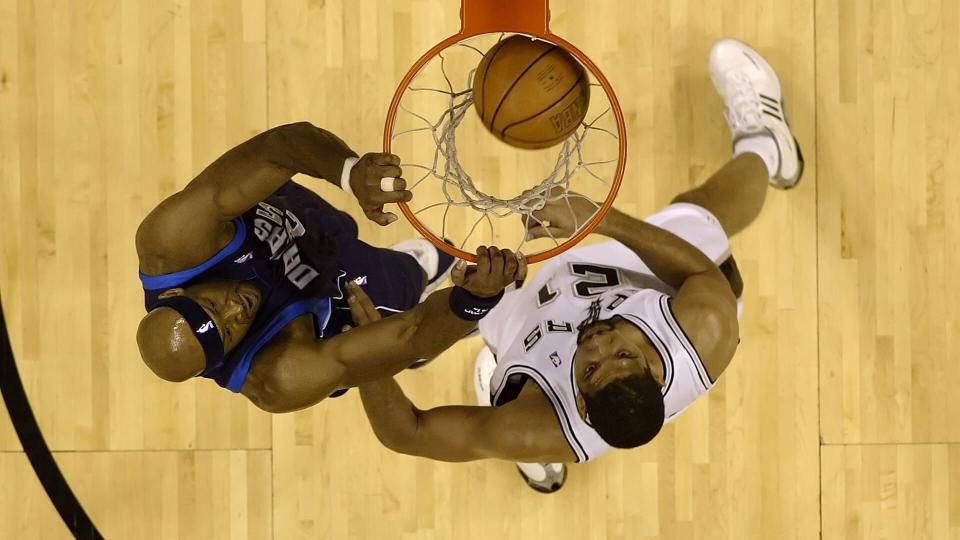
{"x": 516, "y": 80}
{"x": 574, "y": 86}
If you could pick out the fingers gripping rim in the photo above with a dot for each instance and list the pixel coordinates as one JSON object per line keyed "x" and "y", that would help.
{"x": 594, "y": 221}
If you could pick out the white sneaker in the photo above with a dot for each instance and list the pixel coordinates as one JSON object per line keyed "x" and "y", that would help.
{"x": 543, "y": 477}
{"x": 483, "y": 370}
{"x": 436, "y": 264}
{"x": 754, "y": 104}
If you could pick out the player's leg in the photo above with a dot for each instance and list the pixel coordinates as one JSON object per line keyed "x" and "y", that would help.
{"x": 764, "y": 148}
{"x": 436, "y": 266}
{"x": 735, "y": 194}
{"x": 396, "y": 278}
{"x": 435, "y": 263}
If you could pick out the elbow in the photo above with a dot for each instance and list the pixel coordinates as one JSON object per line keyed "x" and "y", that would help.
{"x": 281, "y": 136}
{"x": 395, "y": 445}
{"x": 276, "y": 143}
{"x": 399, "y": 439}
{"x": 293, "y": 127}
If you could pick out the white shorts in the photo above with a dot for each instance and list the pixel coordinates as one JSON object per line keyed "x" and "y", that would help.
{"x": 690, "y": 222}
{"x": 693, "y": 223}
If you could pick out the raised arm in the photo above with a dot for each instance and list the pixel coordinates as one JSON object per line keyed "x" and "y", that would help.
{"x": 704, "y": 304}
{"x": 293, "y": 375}
{"x": 525, "y": 429}
{"x": 195, "y": 221}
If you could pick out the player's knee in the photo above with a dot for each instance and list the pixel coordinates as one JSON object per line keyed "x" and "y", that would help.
{"x": 689, "y": 197}
{"x": 732, "y": 273}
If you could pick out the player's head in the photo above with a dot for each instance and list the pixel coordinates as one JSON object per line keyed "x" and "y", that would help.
{"x": 618, "y": 393}
{"x": 196, "y": 325}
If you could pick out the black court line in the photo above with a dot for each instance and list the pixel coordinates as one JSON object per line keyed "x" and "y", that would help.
{"x": 45, "y": 467}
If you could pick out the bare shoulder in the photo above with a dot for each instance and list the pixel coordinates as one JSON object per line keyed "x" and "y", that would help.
{"x": 712, "y": 329}
{"x": 291, "y": 370}
{"x": 180, "y": 233}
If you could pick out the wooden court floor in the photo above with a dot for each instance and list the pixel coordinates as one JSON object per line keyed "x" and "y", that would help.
{"x": 839, "y": 417}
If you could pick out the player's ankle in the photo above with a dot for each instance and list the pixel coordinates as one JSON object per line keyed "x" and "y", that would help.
{"x": 762, "y": 145}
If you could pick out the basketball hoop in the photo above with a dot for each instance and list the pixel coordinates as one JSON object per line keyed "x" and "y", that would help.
{"x": 433, "y": 105}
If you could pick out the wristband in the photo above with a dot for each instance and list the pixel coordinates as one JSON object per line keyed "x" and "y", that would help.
{"x": 345, "y": 175}
{"x": 468, "y": 307}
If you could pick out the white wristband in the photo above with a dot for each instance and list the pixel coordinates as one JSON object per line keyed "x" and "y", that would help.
{"x": 345, "y": 175}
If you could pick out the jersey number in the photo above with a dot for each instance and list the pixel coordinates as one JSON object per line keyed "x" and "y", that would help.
{"x": 554, "y": 327}
{"x": 600, "y": 279}
{"x": 596, "y": 280}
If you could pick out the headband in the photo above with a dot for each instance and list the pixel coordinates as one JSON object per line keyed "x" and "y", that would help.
{"x": 202, "y": 325}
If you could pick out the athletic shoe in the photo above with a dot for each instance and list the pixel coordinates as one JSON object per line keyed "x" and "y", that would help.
{"x": 543, "y": 477}
{"x": 754, "y": 104}
{"x": 483, "y": 370}
{"x": 437, "y": 264}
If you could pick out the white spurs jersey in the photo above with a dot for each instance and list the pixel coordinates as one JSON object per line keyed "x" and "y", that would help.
{"x": 533, "y": 333}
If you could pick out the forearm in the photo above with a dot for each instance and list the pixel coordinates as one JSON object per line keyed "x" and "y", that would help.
{"x": 449, "y": 433}
{"x": 305, "y": 148}
{"x": 436, "y": 326}
{"x": 671, "y": 258}
{"x": 389, "y": 346}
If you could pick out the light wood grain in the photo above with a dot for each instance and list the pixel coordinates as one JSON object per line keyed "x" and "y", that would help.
{"x": 848, "y": 334}
{"x": 888, "y": 120}
{"x": 891, "y": 491}
{"x": 744, "y": 461}
{"x": 145, "y": 495}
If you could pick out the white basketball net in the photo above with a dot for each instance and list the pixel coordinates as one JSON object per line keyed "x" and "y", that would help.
{"x": 457, "y": 184}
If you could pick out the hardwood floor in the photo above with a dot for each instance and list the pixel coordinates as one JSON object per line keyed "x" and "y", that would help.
{"x": 837, "y": 416}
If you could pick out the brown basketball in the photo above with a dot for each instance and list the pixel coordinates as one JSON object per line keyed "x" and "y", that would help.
{"x": 530, "y": 93}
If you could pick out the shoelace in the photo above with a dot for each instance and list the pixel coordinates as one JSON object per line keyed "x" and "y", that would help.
{"x": 744, "y": 113}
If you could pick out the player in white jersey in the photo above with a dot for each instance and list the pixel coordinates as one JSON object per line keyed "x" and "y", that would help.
{"x": 609, "y": 341}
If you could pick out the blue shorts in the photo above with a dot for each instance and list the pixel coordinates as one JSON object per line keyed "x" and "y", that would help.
{"x": 393, "y": 280}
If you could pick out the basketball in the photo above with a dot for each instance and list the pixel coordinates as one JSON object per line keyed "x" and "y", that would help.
{"x": 530, "y": 93}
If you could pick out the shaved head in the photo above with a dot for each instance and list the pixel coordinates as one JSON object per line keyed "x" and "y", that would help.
{"x": 169, "y": 347}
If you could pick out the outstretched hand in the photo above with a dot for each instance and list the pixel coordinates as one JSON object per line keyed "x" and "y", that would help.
{"x": 376, "y": 181}
{"x": 560, "y": 218}
{"x": 361, "y": 307}
{"x": 495, "y": 269}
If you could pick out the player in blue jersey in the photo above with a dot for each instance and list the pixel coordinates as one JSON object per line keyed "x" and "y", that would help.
{"x": 245, "y": 275}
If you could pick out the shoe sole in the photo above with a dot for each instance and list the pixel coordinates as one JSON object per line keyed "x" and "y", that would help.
{"x": 540, "y": 489}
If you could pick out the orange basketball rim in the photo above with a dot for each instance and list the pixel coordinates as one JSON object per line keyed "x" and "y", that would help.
{"x": 528, "y": 17}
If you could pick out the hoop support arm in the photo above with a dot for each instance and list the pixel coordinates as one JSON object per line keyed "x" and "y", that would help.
{"x": 523, "y": 16}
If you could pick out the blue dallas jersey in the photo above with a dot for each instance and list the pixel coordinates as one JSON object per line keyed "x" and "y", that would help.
{"x": 298, "y": 251}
